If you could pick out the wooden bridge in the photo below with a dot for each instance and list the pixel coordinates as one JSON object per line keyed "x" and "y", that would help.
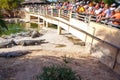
{"x": 102, "y": 40}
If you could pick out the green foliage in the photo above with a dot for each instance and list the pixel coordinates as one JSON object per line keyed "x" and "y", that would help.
{"x": 52, "y": 26}
{"x": 66, "y": 59}
{"x": 3, "y": 26}
{"x": 9, "y": 4}
{"x": 109, "y": 2}
{"x": 56, "y": 73}
{"x": 14, "y": 28}
{"x": 34, "y": 25}
{"x": 97, "y": 1}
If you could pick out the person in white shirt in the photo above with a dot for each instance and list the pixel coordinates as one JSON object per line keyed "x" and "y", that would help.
{"x": 105, "y": 14}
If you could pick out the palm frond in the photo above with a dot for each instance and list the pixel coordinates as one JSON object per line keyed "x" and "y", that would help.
{"x": 3, "y": 25}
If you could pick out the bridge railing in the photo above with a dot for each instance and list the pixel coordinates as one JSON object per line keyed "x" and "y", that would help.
{"x": 80, "y": 16}
{"x": 66, "y": 14}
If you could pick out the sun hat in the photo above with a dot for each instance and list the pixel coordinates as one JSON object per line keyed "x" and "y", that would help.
{"x": 113, "y": 5}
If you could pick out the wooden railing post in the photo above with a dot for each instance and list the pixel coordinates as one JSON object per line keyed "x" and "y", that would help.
{"x": 85, "y": 18}
{"x": 51, "y": 11}
{"x": 59, "y": 13}
{"x": 46, "y": 11}
{"x": 89, "y": 20}
{"x": 40, "y": 10}
{"x": 70, "y": 15}
{"x": 33, "y": 10}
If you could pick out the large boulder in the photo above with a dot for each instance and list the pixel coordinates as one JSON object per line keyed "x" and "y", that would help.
{"x": 13, "y": 54}
{"x": 8, "y": 43}
{"x": 35, "y": 34}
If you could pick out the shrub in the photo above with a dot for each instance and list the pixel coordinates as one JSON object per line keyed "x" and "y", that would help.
{"x": 57, "y": 73}
{"x": 66, "y": 59}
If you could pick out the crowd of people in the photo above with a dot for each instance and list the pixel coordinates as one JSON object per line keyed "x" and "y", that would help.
{"x": 109, "y": 13}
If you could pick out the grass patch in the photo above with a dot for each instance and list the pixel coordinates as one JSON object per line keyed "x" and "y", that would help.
{"x": 52, "y": 26}
{"x": 14, "y": 28}
{"x": 57, "y": 73}
{"x": 34, "y": 25}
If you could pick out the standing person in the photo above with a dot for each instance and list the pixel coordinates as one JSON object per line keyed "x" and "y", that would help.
{"x": 98, "y": 9}
{"x": 81, "y": 9}
{"x": 65, "y": 7}
{"x": 106, "y": 14}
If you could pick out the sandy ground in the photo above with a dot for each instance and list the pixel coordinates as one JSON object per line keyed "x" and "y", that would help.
{"x": 51, "y": 52}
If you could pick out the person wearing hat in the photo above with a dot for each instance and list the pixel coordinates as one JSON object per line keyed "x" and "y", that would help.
{"x": 113, "y": 7}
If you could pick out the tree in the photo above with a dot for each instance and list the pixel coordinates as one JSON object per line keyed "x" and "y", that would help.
{"x": 97, "y": 1}
{"x": 9, "y": 5}
{"x": 109, "y": 2}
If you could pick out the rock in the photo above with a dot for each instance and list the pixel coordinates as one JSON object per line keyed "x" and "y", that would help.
{"x": 19, "y": 34}
{"x": 11, "y": 21}
{"x": 13, "y": 54}
{"x": 35, "y": 34}
{"x": 1, "y": 39}
{"x": 24, "y": 34}
{"x": 30, "y": 42}
{"x": 32, "y": 34}
{"x": 12, "y": 36}
{"x": 7, "y": 44}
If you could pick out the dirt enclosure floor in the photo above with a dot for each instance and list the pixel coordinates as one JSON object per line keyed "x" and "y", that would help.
{"x": 28, "y": 66}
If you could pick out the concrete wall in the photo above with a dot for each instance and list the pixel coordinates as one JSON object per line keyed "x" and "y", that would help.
{"x": 103, "y": 51}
